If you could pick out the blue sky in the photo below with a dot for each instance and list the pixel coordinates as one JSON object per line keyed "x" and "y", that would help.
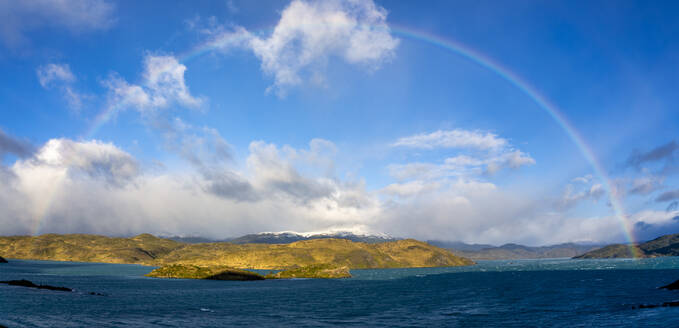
{"x": 223, "y": 118}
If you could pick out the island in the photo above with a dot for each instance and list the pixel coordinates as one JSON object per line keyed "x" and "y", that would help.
{"x": 2, "y": 260}
{"x": 667, "y": 245}
{"x": 183, "y": 271}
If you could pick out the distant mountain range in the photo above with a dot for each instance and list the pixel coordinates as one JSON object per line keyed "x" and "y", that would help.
{"x": 667, "y": 245}
{"x": 514, "y": 251}
{"x": 471, "y": 251}
{"x": 288, "y": 237}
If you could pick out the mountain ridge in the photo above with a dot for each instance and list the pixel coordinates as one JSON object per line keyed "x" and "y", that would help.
{"x": 667, "y": 245}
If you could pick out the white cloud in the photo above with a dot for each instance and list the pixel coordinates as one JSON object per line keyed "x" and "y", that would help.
{"x": 310, "y": 33}
{"x": 646, "y": 185}
{"x": 411, "y": 188}
{"x": 480, "y": 212}
{"x": 91, "y": 186}
{"x": 60, "y": 76}
{"x": 162, "y": 85}
{"x": 457, "y": 138}
{"x": 77, "y": 16}
{"x": 478, "y": 153}
{"x": 574, "y": 194}
{"x": 93, "y": 158}
{"x": 583, "y": 179}
{"x": 54, "y": 73}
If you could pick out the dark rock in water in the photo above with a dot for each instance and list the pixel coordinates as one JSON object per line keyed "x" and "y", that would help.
{"x": 96, "y": 294}
{"x": 672, "y": 286}
{"x": 2, "y": 260}
{"x": 651, "y": 306}
{"x": 26, "y": 283}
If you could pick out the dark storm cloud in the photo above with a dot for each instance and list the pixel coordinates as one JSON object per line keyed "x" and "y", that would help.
{"x": 668, "y": 196}
{"x": 228, "y": 185}
{"x": 11, "y": 145}
{"x": 647, "y": 231}
{"x": 672, "y": 206}
{"x": 666, "y": 153}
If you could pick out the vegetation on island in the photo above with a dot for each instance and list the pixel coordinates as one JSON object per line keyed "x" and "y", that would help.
{"x": 322, "y": 271}
{"x": 667, "y": 245}
{"x": 184, "y": 271}
{"x": 147, "y": 249}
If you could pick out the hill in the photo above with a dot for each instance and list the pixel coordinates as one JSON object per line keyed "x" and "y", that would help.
{"x": 667, "y": 245}
{"x": 142, "y": 249}
{"x": 150, "y": 250}
{"x": 515, "y": 251}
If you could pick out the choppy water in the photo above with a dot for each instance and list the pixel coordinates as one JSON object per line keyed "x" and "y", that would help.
{"x": 523, "y": 293}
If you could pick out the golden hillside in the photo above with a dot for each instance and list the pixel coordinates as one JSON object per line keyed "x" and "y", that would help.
{"x": 150, "y": 250}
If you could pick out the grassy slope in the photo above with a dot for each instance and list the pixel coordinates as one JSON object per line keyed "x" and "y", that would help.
{"x": 150, "y": 250}
{"x": 143, "y": 249}
{"x": 667, "y": 245}
{"x": 323, "y": 271}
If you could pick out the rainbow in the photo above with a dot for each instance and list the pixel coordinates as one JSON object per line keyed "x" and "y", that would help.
{"x": 474, "y": 56}
{"x": 542, "y": 102}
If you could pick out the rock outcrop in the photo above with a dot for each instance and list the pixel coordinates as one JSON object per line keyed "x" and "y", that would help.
{"x": 672, "y": 286}
{"x": 26, "y": 283}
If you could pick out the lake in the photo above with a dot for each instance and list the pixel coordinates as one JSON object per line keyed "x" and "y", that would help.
{"x": 516, "y": 293}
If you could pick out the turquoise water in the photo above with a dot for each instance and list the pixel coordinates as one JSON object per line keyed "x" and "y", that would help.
{"x": 517, "y": 293}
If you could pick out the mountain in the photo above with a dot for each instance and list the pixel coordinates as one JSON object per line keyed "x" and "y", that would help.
{"x": 515, "y": 251}
{"x": 190, "y": 239}
{"x": 667, "y": 245}
{"x": 458, "y": 245}
{"x": 287, "y": 237}
{"x": 150, "y": 250}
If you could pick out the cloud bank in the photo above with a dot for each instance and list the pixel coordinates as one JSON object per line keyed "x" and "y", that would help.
{"x": 92, "y": 186}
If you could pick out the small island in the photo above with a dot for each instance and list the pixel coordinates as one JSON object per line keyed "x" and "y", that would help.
{"x": 2, "y": 260}
{"x": 186, "y": 271}
{"x": 319, "y": 271}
